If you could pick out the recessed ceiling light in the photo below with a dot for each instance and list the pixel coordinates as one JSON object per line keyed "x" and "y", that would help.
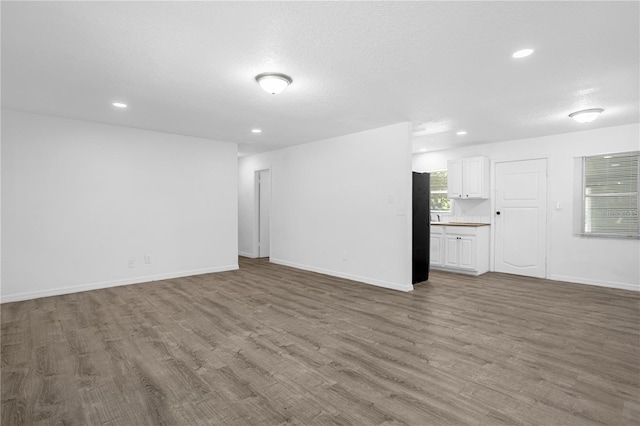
{"x": 256, "y": 131}
{"x": 586, "y": 115}
{"x": 119, "y": 105}
{"x": 523, "y": 53}
{"x": 607, "y": 156}
{"x": 272, "y": 82}
{"x": 615, "y": 165}
{"x": 461, "y": 132}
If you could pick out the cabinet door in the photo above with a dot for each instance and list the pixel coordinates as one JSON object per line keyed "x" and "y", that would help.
{"x": 467, "y": 252}
{"x": 451, "y": 251}
{"x": 454, "y": 179}
{"x": 472, "y": 177}
{"x": 437, "y": 249}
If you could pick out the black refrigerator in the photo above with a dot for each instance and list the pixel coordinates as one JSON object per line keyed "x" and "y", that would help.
{"x": 421, "y": 227}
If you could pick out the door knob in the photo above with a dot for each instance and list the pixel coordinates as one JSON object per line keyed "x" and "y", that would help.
{"x": 498, "y": 213}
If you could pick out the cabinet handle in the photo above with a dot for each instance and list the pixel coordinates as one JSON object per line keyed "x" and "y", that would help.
{"x": 498, "y": 213}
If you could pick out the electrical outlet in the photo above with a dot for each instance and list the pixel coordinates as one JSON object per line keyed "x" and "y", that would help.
{"x": 147, "y": 259}
{"x": 132, "y": 262}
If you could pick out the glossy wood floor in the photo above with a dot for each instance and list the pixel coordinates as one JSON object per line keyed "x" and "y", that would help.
{"x": 270, "y": 345}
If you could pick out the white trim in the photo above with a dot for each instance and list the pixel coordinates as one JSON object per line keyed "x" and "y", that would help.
{"x": 106, "y": 284}
{"x": 456, "y": 270}
{"x": 365, "y": 280}
{"x": 255, "y": 245}
{"x": 608, "y": 284}
{"x": 247, "y": 254}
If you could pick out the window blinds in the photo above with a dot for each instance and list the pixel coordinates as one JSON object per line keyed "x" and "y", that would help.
{"x": 611, "y": 195}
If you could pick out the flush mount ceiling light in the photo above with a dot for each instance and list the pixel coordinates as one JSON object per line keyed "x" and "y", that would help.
{"x": 119, "y": 105}
{"x": 272, "y": 82}
{"x": 586, "y": 115}
{"x": 523, "y": 53}
{"x": 256, "y": 131}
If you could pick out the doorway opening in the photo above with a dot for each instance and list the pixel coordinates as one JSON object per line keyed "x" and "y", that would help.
{"x": 262, "y": 240}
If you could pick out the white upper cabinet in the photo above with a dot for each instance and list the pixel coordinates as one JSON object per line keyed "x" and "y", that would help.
{"x": 468, "y": 178}
{"x": 454, "y": 179}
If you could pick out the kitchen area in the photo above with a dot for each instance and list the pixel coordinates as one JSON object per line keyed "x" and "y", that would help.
{"x": 460, "y": 242}
{"x": 527, "y": 197}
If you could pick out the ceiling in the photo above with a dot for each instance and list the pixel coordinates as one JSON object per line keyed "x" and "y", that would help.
{"x": 188, "y": 67}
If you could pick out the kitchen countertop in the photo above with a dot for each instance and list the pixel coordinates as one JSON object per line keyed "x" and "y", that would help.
{"x": 459, "y": 224}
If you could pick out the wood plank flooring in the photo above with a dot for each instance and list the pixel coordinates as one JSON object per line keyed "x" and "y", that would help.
{"x": 271, "y": 345}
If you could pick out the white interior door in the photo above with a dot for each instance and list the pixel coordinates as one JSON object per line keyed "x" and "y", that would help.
{"x": 264, "y": 211}
{"x": 521, "y": 218}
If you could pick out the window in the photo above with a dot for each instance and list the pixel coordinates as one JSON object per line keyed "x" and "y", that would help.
{"x": 610, "y": 195}
{"x": 439, "y": 201}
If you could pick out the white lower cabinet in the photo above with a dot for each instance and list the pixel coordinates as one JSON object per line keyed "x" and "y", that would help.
{"x": 460, "y": 251}
{"x": 436, "y": 248}
{"x": 460, "y": 248}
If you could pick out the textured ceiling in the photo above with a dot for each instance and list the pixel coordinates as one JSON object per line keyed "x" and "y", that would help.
{"x": 189, "y": 67}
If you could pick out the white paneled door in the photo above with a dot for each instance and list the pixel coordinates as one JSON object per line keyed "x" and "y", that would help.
{"x": 264, "y": 211}
{"x": 521, "y": 217}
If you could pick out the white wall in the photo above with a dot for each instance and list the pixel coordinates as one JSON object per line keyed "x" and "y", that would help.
{"x": 607, "y": 262}
{"x": 340, "y": 206}
{"x": 79, "y": 199}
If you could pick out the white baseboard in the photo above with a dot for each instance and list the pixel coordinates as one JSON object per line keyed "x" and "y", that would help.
{"x": 609, "y": 284}
{"x": 359, "y": 278}
{"x": 247, "y": 254}
{"x": 106, "y": 284}
{"x": 456, "y": 270}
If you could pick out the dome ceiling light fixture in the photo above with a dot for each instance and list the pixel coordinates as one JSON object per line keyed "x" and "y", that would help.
{"x": 523, "y": 53}
{"x": 586, "y": 115}
{"x": 273, "y": 82}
